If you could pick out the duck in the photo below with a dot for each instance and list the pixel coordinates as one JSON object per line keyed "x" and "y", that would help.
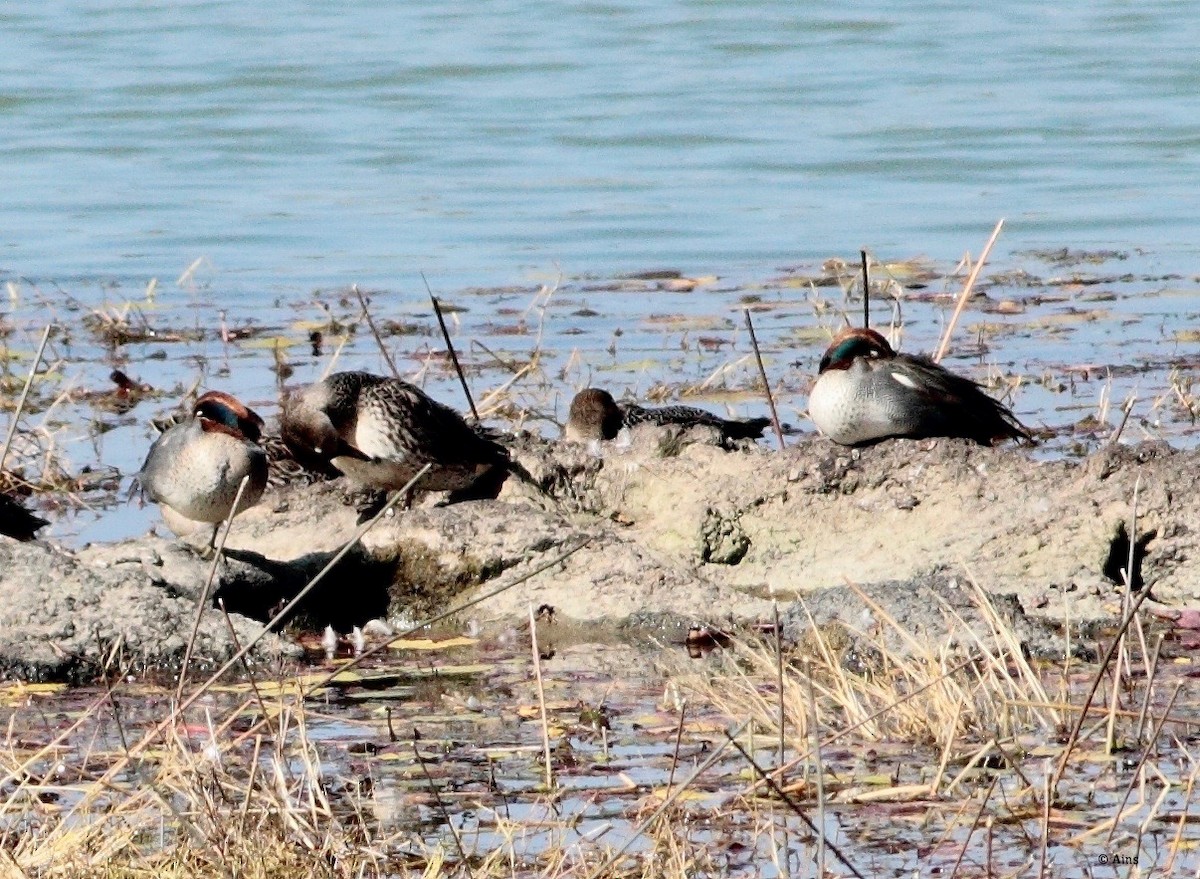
{"x": 381, "y": 431}
{"x": 595, "y": 415}
{"x": 866, "y": 392}
{"x": 195, "y": 467}
{"x": 16, "y": 521}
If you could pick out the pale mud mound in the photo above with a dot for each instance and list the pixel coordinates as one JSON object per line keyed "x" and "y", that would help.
{"x": 673, "y": 530}
{"x": 63, "y": 615}
{"x": 683, "y": 527}
{"x": 443, "y": 553}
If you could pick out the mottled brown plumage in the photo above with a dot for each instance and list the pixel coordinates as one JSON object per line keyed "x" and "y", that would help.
{"x": 381, "y": 431}
{"x": 595, "y": 415}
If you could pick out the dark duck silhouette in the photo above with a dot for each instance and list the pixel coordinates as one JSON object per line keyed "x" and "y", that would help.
{"x": 16, "y": 521}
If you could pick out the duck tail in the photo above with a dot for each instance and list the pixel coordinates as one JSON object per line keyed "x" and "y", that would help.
{"x": 16, "y": 521}
{"x": 1020, "y": 433}
{"x": 745, "y": 428}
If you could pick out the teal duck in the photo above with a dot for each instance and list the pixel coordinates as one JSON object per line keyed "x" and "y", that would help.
{"x": 381, "y": 431}
{"x": 195, "y": 467}
{"x": 866, "y": 392}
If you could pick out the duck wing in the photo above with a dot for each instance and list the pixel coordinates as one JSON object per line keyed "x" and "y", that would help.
{"x": 953, "y": 404}
{"x": 731, "y": 428}
{"x": 398, "y": 420}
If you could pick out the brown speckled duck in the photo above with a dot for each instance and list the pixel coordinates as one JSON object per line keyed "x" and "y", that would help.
{"x": 595, "y": 415}
{"x": 381, "y": 431}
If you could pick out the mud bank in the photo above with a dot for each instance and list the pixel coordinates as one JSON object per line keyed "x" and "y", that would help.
{"x": 678, "y": 531}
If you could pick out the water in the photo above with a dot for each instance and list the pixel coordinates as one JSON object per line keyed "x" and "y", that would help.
{"x": 312, "y": 145}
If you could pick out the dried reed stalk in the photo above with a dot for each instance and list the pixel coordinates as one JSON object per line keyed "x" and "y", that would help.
{"x": 437, "y": 309}
{"x": 375, "y": 332}
{"x": 819, "y": 832}
{"x": 16, "y": 416}
{"x": 762, "y": 371}
{"x": 204, "y": 593}
{"x": 966, "y": 292}
{"x": 541, "y": 691}
{"x": 603, "y": 869}
{"x": 866, "y": 282}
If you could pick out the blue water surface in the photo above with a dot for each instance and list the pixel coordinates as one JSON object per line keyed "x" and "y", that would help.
{"x": 301, "y": 144}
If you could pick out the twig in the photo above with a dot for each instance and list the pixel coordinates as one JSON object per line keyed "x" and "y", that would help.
{"x": 678, "y": 738}
{"x": 866, "y": 292}
{"x": 337, "y": 352}
{"x": 816, "y": 751}
{"x": 762, "y": 371}
{"x": 245, "y": 810}
{"x": 779, "y": 687}
{"x": 1142, "y": 760}
{"x": 537, "y": 672}
{"x": 941, "y": 770}
{"x": 791, "y": 804}
{"x": 1126, "y": 409}
{"x": 16, "y": 415}
{"x": 1047, "y": 795}
{"x": 963, "y": 851}
{"x": 508, "y": 364}
{"x": 496, "y": 392}
{"x": 966, "y": 292}
{"x": 1151, "y": 674}
{"x": 262, "y": 705}
{"x": 1108, "y": 656}
{"x": 437, "y": 797}
{"x": 437, "y": 309}
{"x": 204, "y": 593}
{"x": 812, "y": 725}
{"x": 603, "y": 869}
{"x": 374, "y": 332}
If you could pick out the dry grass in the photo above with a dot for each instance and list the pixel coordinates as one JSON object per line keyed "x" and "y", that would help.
{"x": 240, "y": 786}
{"x": 919, "y": 694}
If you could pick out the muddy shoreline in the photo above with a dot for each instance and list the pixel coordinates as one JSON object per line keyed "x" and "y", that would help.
{"x": 679, "y": 532}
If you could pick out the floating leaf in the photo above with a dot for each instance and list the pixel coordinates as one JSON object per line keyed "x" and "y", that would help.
{"x": 16, "y": 693}
{"x": 532, "y": 712}
{"x": 269, "y": 342}
{"x": 430, "y": 644}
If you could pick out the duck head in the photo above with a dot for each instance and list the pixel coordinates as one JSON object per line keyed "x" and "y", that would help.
{"x": 594, "y": 414}
{"x": 307, "y": 429}
{"x": 219, "y": 412}
{"x": 853, "y": 343}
